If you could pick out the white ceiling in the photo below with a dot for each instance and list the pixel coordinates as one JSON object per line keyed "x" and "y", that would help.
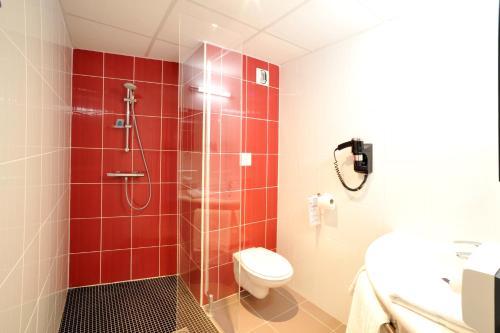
{"x": 273, "y": 30}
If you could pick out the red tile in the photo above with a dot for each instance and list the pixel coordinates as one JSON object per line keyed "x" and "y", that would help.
{"x": 274, "y": 104}
{"x": 87, "y": 62}
{"x": 145, "y": 262}
{"x": 169, "y": 198}
{"x": 255, "y": 175}
{"x": 114, "y": 137}
{"x": 252, "y": 65}
{"x": 230, "y": 209}
{"x": 86, "y": 130}
{"x": 272, "y": 170}
{"x": 85, "y": 235}
{"x": 168, "y": 260}
{"x": 116, "y": 233}
{"x": 153, "y": 162}
{"x": 229, "y": 243}
{"x": 84, "y": 269}
{"x": 118, "y": 66}
{"x": 230, "y": 172}
{"x": 116, "y": 266}
{"x": 213, "y": 52}
{"x": 272, "y": 143}
{"x": 85, "y": 200}
{"x": 244, "y": 60}
{"x": 213, "y": 249}
{"x": 227, "y": 283}
{"x": 197, "y": 128}
{"x": 272, "y": 203}
{"x": 87, "y": 94}
{"x": 115, "y": 160}
{"x": 113, "y": 200}
{"x": 256, "y": 101}
{"x": 169, "y": 134}
{"x": 255, "y": 235}
{"x": 148, "y": 70}
{"x": 256, "y": 136}
{"x": 149, "y": 130}
{"x": 231, "y": 134}
{"x": 148, "y": 96}
{"x": 215, "y": 133}
{"x": 213, "y": 284}
{"x": 231, "y": 105}
{"x": 271, "y": 232}
{"x": 145, "y": 231}
{"x": 85, "y": 165}
{"x": 169, "y": 166}
{"x": 274, "y": 75}
{"x": 140, "y": 196}
{"x": 194, "y": 246}
{"x": 195, "y": 281}
{"x": 114, "y": 93}
{"x": 170, "y": 72}
{"x": 168, "y": 230}
{"x": 170, "y": 101}
{"x": 232, "y": 64}
{"x": 255, "y": 205}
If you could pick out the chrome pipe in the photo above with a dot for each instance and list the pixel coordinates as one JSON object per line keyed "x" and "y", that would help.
{"x": 128, "y": 100}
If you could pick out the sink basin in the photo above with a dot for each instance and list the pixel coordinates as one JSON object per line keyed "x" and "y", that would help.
{"x": 428, "y": 272}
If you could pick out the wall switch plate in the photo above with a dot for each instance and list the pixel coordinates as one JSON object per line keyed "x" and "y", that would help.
{"x": 245, "y": 159}
{"x": 262, "y": 77}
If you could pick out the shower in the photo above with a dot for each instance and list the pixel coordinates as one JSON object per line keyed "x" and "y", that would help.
{"x": 131, "y": 122}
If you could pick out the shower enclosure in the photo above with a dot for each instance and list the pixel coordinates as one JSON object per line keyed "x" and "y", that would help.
{"x": 211, "y": 125}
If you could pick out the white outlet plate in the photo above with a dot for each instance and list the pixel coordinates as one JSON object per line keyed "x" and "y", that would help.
{"x": 245, "y": 159}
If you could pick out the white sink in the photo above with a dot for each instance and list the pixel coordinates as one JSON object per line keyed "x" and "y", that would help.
{"x": 399, "y": 264}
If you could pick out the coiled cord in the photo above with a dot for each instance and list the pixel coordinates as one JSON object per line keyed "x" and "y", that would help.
{"x": 337, "y": 169}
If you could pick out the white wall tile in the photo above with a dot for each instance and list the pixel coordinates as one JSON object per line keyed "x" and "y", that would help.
{"x": 35, "y": 100}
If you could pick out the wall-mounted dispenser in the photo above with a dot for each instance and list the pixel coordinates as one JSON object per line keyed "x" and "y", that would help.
{"x": 363, "y": 160}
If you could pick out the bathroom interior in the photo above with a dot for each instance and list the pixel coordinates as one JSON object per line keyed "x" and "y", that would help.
{"x": 249, "y": 166}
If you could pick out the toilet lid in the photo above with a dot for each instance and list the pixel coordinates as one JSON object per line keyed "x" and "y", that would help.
{"x": 266, "y": 263}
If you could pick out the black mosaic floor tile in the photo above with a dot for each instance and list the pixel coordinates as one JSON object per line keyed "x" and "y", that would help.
{"x": 146, "y": 306}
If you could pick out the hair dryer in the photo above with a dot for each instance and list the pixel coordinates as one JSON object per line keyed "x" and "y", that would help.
{"x": 363, "y": 160}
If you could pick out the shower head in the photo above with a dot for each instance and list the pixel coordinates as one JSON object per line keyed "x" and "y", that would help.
{"x": 130, "y": 86}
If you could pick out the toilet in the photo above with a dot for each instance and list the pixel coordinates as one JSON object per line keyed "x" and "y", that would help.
{"x": 257, "y": 269}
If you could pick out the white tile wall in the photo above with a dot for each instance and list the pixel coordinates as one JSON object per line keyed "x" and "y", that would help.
{"x": 423, "y": 89}
{"x": 35, "y": 124}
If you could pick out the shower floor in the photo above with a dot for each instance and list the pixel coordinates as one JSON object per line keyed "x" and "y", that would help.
{"x": 154, "y": 305}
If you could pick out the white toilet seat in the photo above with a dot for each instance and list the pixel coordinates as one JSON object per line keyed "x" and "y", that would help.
{"x": 266, "y": 264}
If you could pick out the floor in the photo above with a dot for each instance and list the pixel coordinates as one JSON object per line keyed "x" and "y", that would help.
{"x": 283, "y": 310}
{"x": 146, "y": 306}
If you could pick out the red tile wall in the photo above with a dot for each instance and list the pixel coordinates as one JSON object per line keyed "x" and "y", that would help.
{"x": 243, "y": 200}
{"x": 110, "y": 242}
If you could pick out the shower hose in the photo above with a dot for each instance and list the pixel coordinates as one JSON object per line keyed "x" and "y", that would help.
{"x": 130, "y": 202}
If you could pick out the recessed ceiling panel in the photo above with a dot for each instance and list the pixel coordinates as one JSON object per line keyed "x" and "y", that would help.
{"x": 200, "y": 24}
{"x": 257, "y": 13}
{"x": 272, "y": 49}
{"x": 322, "y": 22}
{"x": 94, "y": 36}
{"x": 142, "y": 17}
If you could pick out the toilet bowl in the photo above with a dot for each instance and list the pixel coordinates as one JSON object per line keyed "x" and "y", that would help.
{"x": 257, "y": 269}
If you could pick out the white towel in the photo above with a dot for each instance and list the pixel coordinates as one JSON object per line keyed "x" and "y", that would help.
{"x": 367, "y": 314}
{"x": 434, "y": 300}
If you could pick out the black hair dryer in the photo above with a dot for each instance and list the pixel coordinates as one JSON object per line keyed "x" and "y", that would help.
{"x": 363, "y": 160}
